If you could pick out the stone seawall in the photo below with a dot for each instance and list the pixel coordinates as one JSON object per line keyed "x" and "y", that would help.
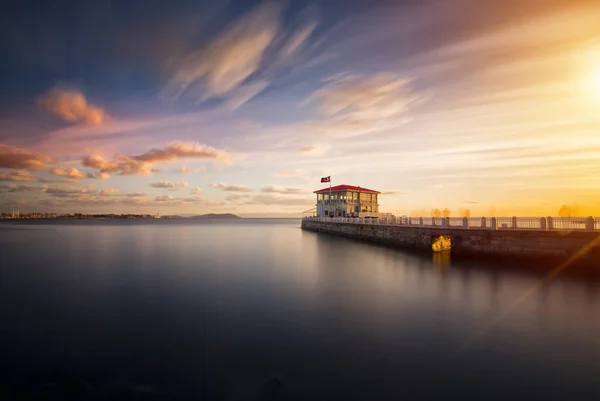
{"x": 523, "y": 244}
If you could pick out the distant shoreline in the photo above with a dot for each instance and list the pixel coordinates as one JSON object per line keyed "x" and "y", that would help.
{"x": 81, "y": 216}
{"x": 179, "y": 218}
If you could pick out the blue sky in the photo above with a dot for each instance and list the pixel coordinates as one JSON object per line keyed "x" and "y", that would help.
{"x": 230, "y": 106}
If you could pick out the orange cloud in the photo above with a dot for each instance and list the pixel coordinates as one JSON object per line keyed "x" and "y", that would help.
{"x": 143, "y": 164}
{"x": 70, "y": 172}
{"x": 72, "y": 106}
{"x": 186, "y": 170}
{"x": 231, "y": 187}
{"x": 18, "y": 176}
{"x": 17, "y": 158}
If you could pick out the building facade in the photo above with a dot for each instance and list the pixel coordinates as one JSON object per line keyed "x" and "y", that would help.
{"x": 347, "y": 201}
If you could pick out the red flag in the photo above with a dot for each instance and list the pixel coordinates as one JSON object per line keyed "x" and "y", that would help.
{"x": 326, "y": 179}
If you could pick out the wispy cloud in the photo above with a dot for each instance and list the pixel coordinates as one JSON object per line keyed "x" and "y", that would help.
{"x": 283, "y": 191}
{"x": 313, "y": 150}
{"x": 196, "y": 191}
{"x": 72, "y": 106}
{"x": 17, "y": 158}
{"x": 191, "y": 200}
{"x": 135, "y": 194}
{"x": 187, "y": 170}
{"x": 236, "y": 197}
{"x": 224, "y": 64}
{"x": 231, "y": 187}
{"x": 298, "y": 39}
{"x": 358, "y": 104}
{"x": 108, "y": 192}
{"x": 172, "y": 186}
{"x": 394, "y": 192}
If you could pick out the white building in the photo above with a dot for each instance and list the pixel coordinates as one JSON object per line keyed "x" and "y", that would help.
{"x": 347, "y": 201}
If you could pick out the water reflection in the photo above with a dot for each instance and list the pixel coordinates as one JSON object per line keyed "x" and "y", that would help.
{"x": 244, "y": 304}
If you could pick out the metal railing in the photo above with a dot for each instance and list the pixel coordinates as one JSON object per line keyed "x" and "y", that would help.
{"x": 477, "y": 223}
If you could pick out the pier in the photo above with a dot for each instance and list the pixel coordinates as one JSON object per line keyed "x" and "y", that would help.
{"x": 533, "y": 238}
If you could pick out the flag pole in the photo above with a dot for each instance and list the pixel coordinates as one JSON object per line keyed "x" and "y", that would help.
{"x": 330, "y": 200}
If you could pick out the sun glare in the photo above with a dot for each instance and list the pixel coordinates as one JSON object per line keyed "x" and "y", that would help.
{"x": 592, "y": 78}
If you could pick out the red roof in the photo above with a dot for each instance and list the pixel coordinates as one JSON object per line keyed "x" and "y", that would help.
{"x": 346, "y": 188}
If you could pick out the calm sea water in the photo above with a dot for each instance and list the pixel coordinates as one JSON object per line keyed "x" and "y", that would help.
{"x": 261, "y": 310}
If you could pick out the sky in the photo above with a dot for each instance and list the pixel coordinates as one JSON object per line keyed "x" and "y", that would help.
{"x": 192, "y": 107}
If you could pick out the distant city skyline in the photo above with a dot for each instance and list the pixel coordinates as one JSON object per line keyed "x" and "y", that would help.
{"x": 487, "y": 108}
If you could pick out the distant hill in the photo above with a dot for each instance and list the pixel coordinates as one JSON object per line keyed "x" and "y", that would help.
{"x": 272, "y": 215}
{"x": 219, "y": 216}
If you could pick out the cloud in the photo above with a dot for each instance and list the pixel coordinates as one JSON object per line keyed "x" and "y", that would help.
{"x": 170, "y": 200}
{"x": 309, "y": 148}
{"x": 357, "y": 104}
{"x": 297, "y": 40}
{"x": 67, "y": 192}
{"x": 72, "y": 106}
{"x": 243, "y": 94}
{"x": 18, "y": 176}
{"x": 313, "y": 150}
{"x": 108, "y": 192}
{"x": 236, "y": 197}
{"x": 143, "y": 164}
{"x": 196, "y": 191}
{"x": 98, "y": 176}
{"x": 231, "y": 188}
{"x": 471, "y": 201}
{"x": 394, "y": 192}
{"x": 179, "y": 149}
{"x": 172, "y": 186}
{"x": 224, "y": 64}
{"x": 164, "y": 198}
{"x": 17, "y": 188}
{"x": 134, "y": 194}
{"x": 186, "y": 170}
{"x": 283, "y": 191}
{"x": 17, "y": 158}
{"x": 70, "y": 172}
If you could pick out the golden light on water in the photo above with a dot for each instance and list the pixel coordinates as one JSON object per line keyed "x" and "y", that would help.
{"x": 441, "y": 243}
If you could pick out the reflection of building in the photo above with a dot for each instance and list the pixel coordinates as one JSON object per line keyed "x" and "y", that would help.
{"x": 347, "y": 201}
